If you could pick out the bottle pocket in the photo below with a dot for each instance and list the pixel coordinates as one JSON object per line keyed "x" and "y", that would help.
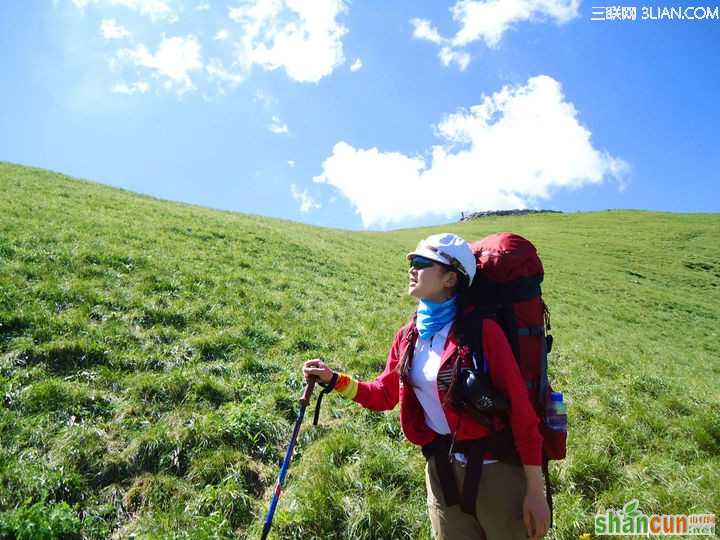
{"x": 554, "y": 439}
{"x": 554, "y": 442}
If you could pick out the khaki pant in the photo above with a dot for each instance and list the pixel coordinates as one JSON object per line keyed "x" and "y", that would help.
{"x": 498, "y": 510}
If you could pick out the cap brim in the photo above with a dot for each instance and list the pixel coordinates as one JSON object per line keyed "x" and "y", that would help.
{"x": 429, "y": 254}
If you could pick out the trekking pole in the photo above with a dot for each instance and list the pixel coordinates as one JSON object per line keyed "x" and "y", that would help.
{"x": 304, "y": 400}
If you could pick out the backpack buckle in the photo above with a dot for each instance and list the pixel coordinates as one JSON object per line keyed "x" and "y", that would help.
{"x": 459, "y": 458}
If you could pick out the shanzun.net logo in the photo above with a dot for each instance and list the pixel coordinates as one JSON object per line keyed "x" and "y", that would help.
{"x": 632, "y": 522}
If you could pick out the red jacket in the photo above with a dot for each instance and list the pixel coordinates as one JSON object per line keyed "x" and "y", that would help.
{"x": 387, "y": 389}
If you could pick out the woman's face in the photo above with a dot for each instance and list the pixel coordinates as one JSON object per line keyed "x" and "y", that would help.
{"x": 435, "y": 283}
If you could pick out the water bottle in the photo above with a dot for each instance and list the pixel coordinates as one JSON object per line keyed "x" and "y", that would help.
{"x": 556, "y": 413}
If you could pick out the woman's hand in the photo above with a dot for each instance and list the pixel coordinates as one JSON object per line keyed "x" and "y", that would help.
{"x": 317, "y": 368}
{"x": 536, "y": 513}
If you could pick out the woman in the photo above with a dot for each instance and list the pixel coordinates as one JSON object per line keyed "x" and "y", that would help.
{"x": 470, "y": 493}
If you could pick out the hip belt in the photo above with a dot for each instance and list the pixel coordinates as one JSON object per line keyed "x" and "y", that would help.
{"x": 444, "y": 449}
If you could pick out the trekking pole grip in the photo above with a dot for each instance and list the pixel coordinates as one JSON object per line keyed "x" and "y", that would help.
{"x": 305, "y": 399}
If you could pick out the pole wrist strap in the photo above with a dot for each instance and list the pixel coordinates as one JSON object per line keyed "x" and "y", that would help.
{"x": 327, "y": 388}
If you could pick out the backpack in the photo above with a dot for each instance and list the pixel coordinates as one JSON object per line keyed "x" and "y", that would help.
{"x": 506, "y": 288}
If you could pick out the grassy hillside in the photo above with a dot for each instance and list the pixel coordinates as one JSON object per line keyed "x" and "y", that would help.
{"x": 150, "y": 359}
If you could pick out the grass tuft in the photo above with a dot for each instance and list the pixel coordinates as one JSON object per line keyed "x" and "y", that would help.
{"x": 41, "y": 522}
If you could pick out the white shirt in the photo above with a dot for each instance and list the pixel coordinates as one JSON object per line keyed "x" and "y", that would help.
{"x": 423, "y": 375}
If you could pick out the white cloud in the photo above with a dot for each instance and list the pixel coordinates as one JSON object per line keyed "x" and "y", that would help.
{"x": 291, "y": 163}
{"x": 277, "y": 126}
{"x": 302, "y": 37}
{"x": 112, "y": 30}
{"x": 489, "y": 20}
{"x": 139, "y": 87}
{"x": 157, "y": 10}
{"x": 511, "y": 150}
{"x": 307, "y": 203}
{"x": 221, "y": 35}
{"x": 423, "y": 29}
{"x": 448, "y": 55}
{"x": 174, "y": 60}
{"x": 267, "y": 101}
{"x": 222, "y": 76}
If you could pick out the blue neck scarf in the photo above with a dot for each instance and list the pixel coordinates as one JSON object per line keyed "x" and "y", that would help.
{"x": 432, "y": 316}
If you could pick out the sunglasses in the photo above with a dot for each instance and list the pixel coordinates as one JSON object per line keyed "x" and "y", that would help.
{"x": 419, "y": 262}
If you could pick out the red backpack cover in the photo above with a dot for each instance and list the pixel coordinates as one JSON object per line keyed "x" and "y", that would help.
{"x": 507, "y": 285}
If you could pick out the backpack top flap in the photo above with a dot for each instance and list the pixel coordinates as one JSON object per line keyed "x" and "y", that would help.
{"x": 506, "y": 257}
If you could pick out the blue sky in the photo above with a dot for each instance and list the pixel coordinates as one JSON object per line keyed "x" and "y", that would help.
{"x": 367, "y": 114}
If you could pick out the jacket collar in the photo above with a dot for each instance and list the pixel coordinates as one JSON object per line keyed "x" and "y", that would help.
{"x": 451, "y": 346}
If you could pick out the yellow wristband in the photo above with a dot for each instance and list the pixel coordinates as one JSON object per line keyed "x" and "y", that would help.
{"x": 346, "y": 386}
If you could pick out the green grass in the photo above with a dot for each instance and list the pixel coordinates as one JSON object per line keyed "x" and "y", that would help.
{"x": 150, "y": 359}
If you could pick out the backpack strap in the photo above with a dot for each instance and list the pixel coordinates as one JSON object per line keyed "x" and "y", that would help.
{"x": 474, "y": 329}
{"x": 475, "y": 454}
{"x": 538, "y": 330}
{"x": 440, "y": 448}
{"x": 509, "y": 322}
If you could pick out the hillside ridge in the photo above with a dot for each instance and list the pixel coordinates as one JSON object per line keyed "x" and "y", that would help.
{"x": 150, "y": 357}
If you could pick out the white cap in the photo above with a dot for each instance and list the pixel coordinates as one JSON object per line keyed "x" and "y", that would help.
{"x": 448, "y": 249}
